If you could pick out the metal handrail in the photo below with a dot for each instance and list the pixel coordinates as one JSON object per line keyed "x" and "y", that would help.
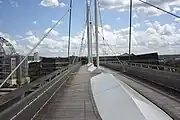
{"x": 148, "y": 66}
{"x": 35, "y": 85}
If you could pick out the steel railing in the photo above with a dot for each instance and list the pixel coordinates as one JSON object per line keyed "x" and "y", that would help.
{"x": 148, "y": 66}
{"x": 27, "y": 107}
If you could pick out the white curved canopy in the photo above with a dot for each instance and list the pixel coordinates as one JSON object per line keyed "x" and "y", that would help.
{"x": 6, "y": 48}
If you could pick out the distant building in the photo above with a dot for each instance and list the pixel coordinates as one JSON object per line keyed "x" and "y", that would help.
{"x": 9, "y": 59}
{"x": 51, "y": 64}
{"x": 150, "y": 58}
{"x": 125, "y": 54}
{"x": 8, "y": 63}
{"x": 35, "y": 70}
{"x": 45, "y": 66}
{"x": 30, "y": 58}
{"x": 22, "y": 72}
{"x": 36, "y": 56}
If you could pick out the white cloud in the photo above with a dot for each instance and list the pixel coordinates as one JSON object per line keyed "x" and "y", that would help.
{"x": 62, "y": 4}
{"x": 107, "y": 27}
{"x": 31, "y": 39}
{"x": 19, "y": 36}
{"x": 34, "y": 22}
{"x": 118, "y": 18}
{"x": 52, "y": 3}
{"x": 177, "y": 20}
{"x": 136, "y": 25}
{"x": 52, "y": 33}
{"x": 176, "y": 9}
{"x": 175, "y": 2}
{"x": 14, "y": 3}
{"x": 102, "y": 9}
{"x": 150, "y": 31}
{"x": 163, "y": 38}
{"x": 55, "y": 21}
{"x": 134, "y": 16}
{"x": 150, "y": 11}
{"x": 122, "y": 5}
{"x": 29, "y": 33}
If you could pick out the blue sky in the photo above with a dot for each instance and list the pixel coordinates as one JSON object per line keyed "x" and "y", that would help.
{"x": 17, "y": 17}
{"x": 18, "y": 20}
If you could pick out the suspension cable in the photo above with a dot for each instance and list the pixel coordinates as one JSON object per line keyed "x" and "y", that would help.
{"x": 100, "y": 17}
{"x": 30, "y": 52}
{"x": 82, "y": 39}
{"x": 105, "y": 42}
{"x": 102, "y": 34}
{"x": 81, "y": 45}
{"x": 102, "y": 30}
{"x": 159, "y": 8}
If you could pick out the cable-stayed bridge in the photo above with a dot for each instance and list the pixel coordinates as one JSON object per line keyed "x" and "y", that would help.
{"x": 103, "y": 89}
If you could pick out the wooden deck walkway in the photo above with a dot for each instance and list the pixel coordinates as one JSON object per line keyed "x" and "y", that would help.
{"x": 72, "y": 103}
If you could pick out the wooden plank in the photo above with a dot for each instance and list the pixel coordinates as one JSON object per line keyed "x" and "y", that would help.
{"x": 73, "y": 103}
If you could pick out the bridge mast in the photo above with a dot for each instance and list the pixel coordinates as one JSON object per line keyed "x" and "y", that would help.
{"x": 88, "y": 37}
{"x": 91, "y": 31}
{"x": 130, "y": 28}
{"x": 96, "y": 31}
